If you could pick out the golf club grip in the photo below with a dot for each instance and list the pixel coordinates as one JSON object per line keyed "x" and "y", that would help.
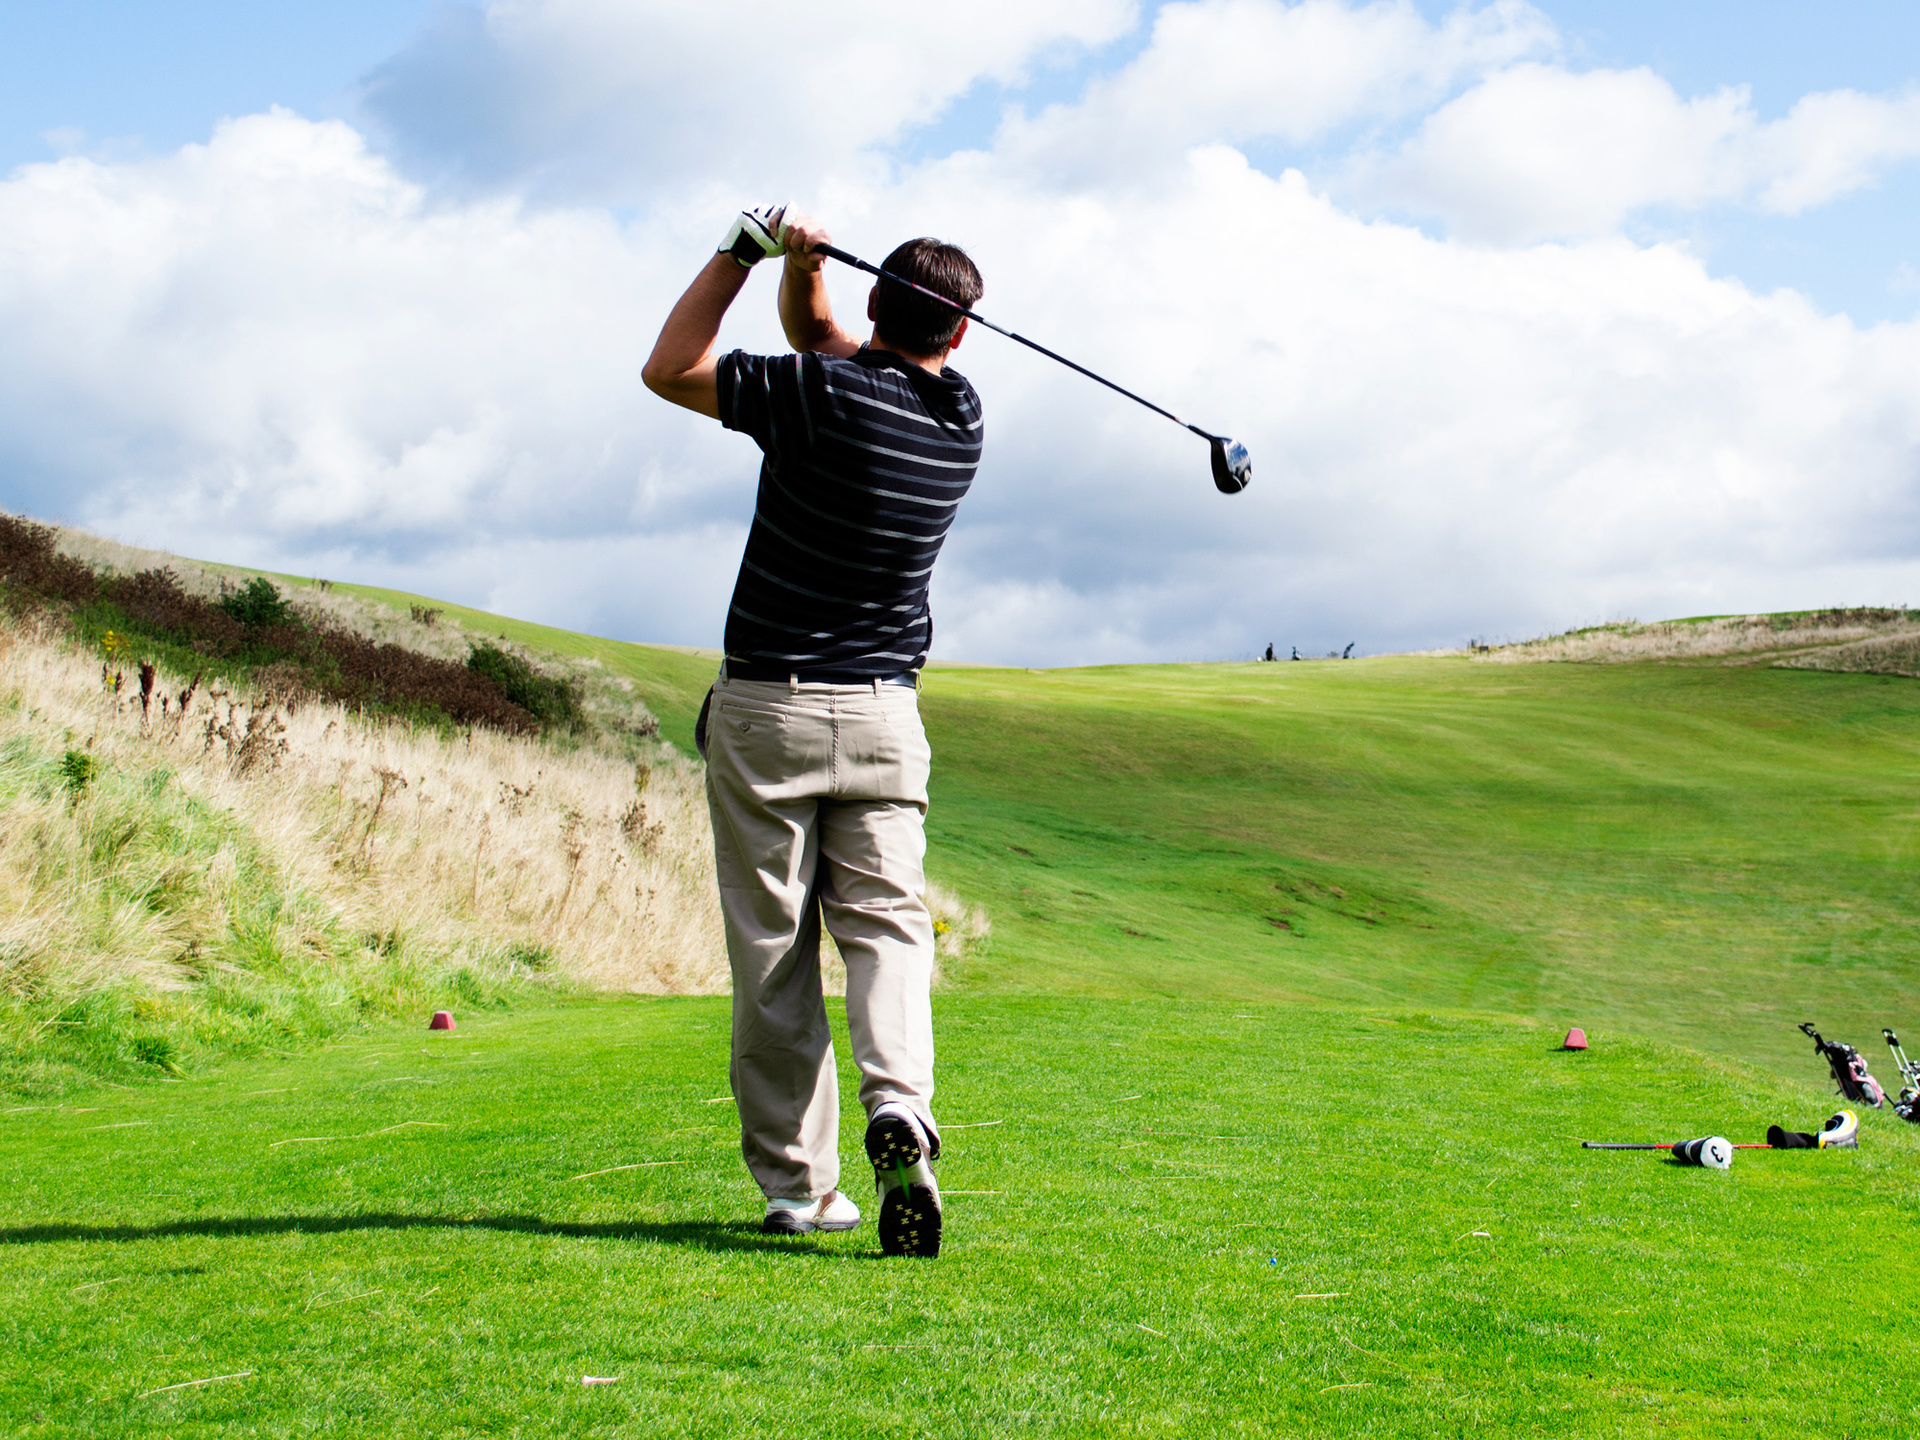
{"x": 833, "y": 252}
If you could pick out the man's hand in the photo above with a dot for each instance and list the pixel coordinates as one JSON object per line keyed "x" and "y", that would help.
{"x": 754, "y": 235}
{"x": 801, "y": 234}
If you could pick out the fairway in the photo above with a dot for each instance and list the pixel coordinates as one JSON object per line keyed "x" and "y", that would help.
{"x": 1256, "y": 1117}
{"x": 1166, "y": 1219}
{"x": 1710, "y": 854}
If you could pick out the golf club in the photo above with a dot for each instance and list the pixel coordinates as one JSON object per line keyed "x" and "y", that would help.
{"x": 1907, "y": 1106}
{"x": 1711, "y": 1151}
{"x": 1841, "y": 1132}
{"x": 1232, "y": 468}
{"x": 1637, "y": 1145}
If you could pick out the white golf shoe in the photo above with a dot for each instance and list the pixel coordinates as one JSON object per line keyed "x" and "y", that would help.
{"x": 832, "y": 1211}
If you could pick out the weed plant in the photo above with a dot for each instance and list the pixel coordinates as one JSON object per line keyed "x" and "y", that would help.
{"x": 259, "y": 603}
{"x": 553, "y": 700}
{"x": 251, "y": 635}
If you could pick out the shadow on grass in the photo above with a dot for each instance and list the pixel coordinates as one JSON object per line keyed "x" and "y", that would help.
{"x": 698, "y": 1234}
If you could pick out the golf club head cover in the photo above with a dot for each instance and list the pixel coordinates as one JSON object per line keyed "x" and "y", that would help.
{"x": 1781, "y": 1138}
{"x": 755, "y": 235}
{"x": 1841, "y": 1132}
{"x": 1712, "y": 1151}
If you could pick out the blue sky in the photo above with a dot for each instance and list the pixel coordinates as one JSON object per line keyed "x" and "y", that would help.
{"x": 1532, "y": 316}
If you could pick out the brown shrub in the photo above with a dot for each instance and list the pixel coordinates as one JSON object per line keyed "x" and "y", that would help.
{"x": 30, "y": 564}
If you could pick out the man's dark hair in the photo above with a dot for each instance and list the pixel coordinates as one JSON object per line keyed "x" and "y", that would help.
{"x": 912, "y": 323}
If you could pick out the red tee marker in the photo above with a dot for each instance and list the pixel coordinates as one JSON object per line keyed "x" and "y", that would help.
{"x": 1576, "y": 1039}
{"x": 443, "y": 1020}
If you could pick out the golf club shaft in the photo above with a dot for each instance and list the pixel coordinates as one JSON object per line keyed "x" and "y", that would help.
{"x": 835, "y": 253}
{"x": 1603, "y": 1145}
{"x": 1628, "y": 1145}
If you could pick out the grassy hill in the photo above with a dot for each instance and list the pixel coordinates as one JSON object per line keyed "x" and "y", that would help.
{"x": 1703, "y": 852}
{"x": 670, "y": 680}
{"x": 1706, "y": 854}
{"x": 1256, "y": 1118}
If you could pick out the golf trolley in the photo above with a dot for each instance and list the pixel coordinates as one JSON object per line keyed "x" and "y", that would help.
{"x": 1849, "y": 1069}
{"x": 1907, "y": 1107}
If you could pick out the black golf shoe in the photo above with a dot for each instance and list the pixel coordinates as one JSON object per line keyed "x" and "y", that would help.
{"x": 902, "y": 1155}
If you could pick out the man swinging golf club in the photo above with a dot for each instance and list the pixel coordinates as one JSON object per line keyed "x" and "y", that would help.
{"x": 816, "y": 759}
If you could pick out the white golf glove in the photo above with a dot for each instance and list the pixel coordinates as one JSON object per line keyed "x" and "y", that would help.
{"x": 755, "y": 235}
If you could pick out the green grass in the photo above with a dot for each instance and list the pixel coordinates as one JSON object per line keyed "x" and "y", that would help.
{"x": 1168, "y": 1218}
{"x": 1704, "y": 853}
{"x": 1268, "y": 1133}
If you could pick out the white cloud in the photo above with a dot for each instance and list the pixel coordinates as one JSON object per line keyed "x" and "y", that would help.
{"x": 1446, "y": 439}
{"x": 277, "y": 348}
{"x": 1227, "y": 71}
{"x": 606, "y": 99}
{"x": 274, "y": 342}
{"x": 1537, "y": 151}
{"x": 1832, "y": 143}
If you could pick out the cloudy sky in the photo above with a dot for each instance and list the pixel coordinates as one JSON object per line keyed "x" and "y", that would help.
{"x": 1531, "y": 315}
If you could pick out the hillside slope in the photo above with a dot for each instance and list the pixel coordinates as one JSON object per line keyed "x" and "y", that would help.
{"x": 1703, "y": 854}
{"x": 1706, "y": 852}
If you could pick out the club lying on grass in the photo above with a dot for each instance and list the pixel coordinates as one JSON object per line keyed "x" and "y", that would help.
{"x": 1232, "y": 467}
{"x": 1712, "y": 1151}
{"x": 1841, "y": 1132}
{"x": 1662, "y": 1145}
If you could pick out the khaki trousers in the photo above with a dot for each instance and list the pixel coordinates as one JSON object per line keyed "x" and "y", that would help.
{"x": 819, "y": 799}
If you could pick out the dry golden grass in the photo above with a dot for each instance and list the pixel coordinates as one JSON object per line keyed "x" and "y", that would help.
{"x": 459, "y": 843}
{"x": 1795, "y": 640}
{"x": 298, "y": 838}
{"x": 1883, "y": 655}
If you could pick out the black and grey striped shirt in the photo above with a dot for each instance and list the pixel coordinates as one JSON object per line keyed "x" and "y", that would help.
{"x": 867, "y": 458}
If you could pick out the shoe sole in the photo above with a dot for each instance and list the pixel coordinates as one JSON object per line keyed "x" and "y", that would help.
{"x": 910, "y": 1218}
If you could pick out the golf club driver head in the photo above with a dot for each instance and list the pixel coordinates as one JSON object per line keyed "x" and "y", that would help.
{"x": 1232, "y": 467}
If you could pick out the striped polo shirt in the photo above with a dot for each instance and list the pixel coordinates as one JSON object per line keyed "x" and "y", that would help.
{"x": 867, "y": 458}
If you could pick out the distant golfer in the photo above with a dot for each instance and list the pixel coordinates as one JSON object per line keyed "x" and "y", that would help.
{"x": 816, "y": 758}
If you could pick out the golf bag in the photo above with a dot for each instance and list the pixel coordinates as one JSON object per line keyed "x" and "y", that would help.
{"x": 1849, "y": 1068}
{"x": 1907, "y": 1107}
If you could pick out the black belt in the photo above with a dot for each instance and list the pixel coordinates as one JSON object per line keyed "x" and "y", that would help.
{"x": 781, "y": 675}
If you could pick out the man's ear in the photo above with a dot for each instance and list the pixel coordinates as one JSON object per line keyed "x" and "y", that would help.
{"x": 873, "y": 302}
{"x": 958, "y": 335}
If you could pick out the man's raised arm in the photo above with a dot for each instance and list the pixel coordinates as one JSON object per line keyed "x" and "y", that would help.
{"x": 682, "y": 366}
{"x": 805, "y": 312}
